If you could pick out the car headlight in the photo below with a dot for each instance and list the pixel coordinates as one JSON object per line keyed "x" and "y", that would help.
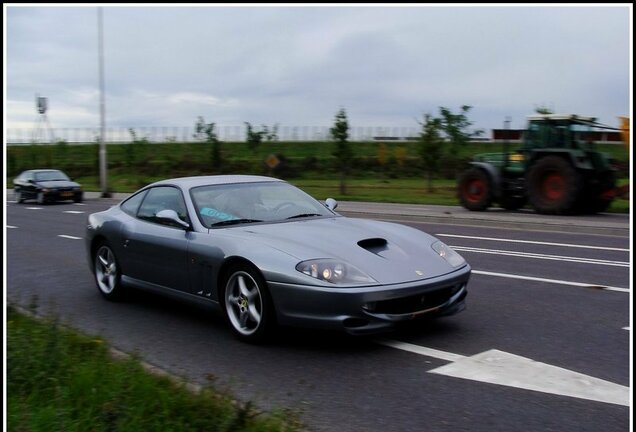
{"x": 334, "y": 271}
{"x": 451, "y": 257}
{"x": 45, "y": 190}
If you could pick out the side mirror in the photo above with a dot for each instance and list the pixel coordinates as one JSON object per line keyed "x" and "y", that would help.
{"x": 331, "y": 203}
{"x": 168, "y": 215}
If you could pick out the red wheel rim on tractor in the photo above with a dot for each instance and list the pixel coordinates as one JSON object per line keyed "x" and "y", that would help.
{"x": 554, "y": 187}
{"x": 475, "y": 190}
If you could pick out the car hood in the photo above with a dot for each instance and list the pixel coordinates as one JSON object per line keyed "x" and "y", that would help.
{"x": 58, "y": 184}
{"x": 388, "y": 252}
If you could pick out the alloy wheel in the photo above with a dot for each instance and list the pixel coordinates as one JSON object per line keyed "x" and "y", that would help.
{"x": 244, "y": 303}
{"x": 105, "y": 270}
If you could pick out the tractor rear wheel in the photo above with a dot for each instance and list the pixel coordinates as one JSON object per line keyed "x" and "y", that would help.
{"x": 475, "y": 189}
{"x": 554, "y": 186}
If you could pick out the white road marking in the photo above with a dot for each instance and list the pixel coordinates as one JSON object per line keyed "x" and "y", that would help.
{"x": 542, "y": 256}
{"x": 73, "y": 211}
{"x": 554, "y": 281}
{"x": 69, "y": 237}
{"x": 79, "y": 204}
{"x": 429, "y": 352}
{"x": 12, "y": 202}
{"x": 11, "y": 226}
{"x": 626, "y": 328}
{"x": 502, "y": 368}
{"x": 535, "y": 242}
{"x": 34, "y": 208}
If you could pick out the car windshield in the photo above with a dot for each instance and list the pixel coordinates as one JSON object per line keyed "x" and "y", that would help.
{"x": 234, "y": 204}
{"x": 50, "y": 175}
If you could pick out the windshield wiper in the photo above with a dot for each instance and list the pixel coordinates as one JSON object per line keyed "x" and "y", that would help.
{"x": 235, "y": 221}
{"x": 303, "y": 215}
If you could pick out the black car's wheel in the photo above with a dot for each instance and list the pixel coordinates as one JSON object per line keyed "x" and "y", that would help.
{"x": 19, "y": 197}
{"x": 247, "y": 305}
{"x": 475, "y": 189}
{"x": 77, "y": 199}
{"x": 107, "y": 273}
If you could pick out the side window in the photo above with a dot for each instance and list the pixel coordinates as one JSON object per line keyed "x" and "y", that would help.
{"x": 162, "y": 198}
{"x": 131, "y": 205}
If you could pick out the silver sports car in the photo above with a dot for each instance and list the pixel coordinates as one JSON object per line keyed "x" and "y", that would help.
{"x": 268, "y": 254}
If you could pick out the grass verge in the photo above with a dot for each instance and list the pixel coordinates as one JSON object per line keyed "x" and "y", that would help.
{"x": 59, "y": 379}
{"x": 371, "y": 189}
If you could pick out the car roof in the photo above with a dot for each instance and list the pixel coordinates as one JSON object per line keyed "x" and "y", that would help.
{"x": 190, "y": 182}
{"x": 42, "y": 170}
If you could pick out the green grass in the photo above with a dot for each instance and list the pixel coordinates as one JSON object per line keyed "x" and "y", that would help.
{"x": 58, "y": 379}
{"x": 376, "y": 189}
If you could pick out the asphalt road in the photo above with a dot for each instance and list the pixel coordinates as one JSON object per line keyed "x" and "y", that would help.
{"x": 549, "y": 308}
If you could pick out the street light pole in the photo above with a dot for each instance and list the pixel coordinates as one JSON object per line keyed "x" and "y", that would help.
{"x": 103, "y": 178}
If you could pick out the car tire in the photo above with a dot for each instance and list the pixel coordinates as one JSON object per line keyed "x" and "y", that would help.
{"x": 78, "y": 199}
{"x": 247, "y": 305}
{"x": 107, "y": 272}
{"x": 19, "y": 197}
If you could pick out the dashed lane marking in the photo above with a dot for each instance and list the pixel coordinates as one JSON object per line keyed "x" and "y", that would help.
{"x": 11, "y": 226}
{"x": 73, "y": 211}
{"x": 542, "y": 256}
{"x": 535, "y": 242}
{"x": 33, "y": 208}
{"x": 69, "y": 237}
{"x": 553, "y": 281}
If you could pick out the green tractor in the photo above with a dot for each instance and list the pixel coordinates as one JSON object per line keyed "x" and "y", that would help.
{"x": 556, "y": 170}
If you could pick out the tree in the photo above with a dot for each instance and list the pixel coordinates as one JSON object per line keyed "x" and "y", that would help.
{"x": 340, "y": 134}
{"x": 455, "y": 128}
{"x": 430, "y": 147}
{"x": 271, "y": 135}
{"x": 252, "y": 137}
{"x": 205, "y": 132}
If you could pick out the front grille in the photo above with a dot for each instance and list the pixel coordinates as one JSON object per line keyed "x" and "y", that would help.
{"x": 414, "y": 303}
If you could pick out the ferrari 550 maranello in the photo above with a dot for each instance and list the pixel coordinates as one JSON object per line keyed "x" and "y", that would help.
{"x": 268, "y": 254}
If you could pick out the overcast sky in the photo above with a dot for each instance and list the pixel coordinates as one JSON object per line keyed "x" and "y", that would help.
{"x": 296, "y": 66}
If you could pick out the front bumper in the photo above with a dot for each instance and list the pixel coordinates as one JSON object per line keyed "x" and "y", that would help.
{"x": 63, "y": 195}
{"x": 371, "y": 309}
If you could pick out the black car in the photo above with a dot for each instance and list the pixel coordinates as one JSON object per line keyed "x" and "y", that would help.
{"x": 45, "y": 185}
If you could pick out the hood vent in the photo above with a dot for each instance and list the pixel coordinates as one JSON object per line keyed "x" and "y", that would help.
{"x": 374, "y": 245}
